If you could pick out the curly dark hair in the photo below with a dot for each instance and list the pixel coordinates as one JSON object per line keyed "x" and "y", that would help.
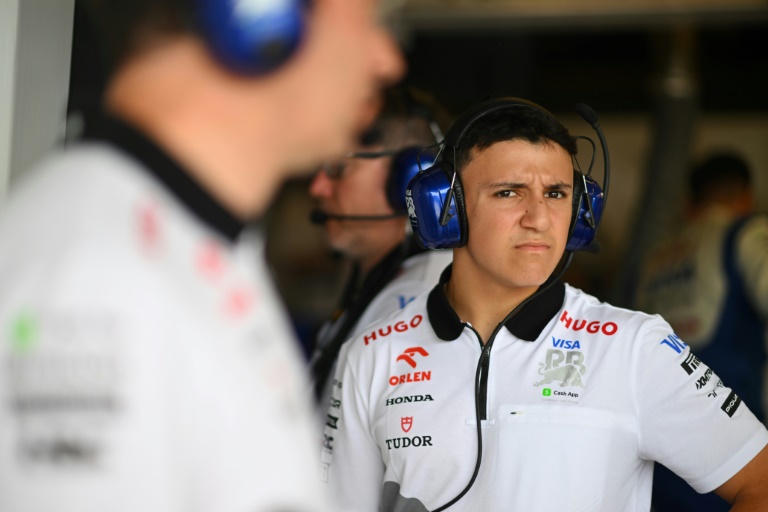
{"x": 516, "y": 122}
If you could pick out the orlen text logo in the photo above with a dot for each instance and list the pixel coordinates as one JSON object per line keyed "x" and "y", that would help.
{"x": 409, "y": 357}
{"x": 400, "y": 326}
{"x": 592, "y": 327}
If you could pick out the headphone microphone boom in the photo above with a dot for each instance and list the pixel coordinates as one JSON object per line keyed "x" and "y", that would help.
{"x": 321, "y": 217}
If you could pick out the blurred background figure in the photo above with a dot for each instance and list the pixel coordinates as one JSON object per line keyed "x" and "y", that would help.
{"x": 363, "y": 210}
{"x": 146, "y": 361}
{"x": 711, "y": 283}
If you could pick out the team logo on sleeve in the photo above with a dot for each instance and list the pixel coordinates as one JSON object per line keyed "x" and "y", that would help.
{"x": 731, "y": 404}
{"x": 675, "y": 343}
{"x": 691, "y": 363}
{"x": 713, "y": 393}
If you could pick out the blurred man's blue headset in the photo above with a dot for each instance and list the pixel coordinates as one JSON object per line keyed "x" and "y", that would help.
{"x": 435, "y": 197}
{"x": 252, "y": 36}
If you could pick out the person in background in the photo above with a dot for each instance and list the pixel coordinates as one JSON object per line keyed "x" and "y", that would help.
{"x": 504, "y": 388}
{"x": 146, "y": 363}
{"x": 362, "y": 209}
{"x": 711, "y": 283}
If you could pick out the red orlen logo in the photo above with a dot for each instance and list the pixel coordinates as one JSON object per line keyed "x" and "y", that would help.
{"x": 400, "y": 326}
{"x": 608, "y": 328}
{"x": 409, "y": 352}
{"x": 406, "y": 423}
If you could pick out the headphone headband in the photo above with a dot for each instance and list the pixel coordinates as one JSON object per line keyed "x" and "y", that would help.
{"x": 463, "y": 123}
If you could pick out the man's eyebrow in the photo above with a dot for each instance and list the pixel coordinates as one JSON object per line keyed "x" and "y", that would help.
{"x": 560, "y": 185}
{"x": 500, "y": 185}
{"x": 504, "y": 185}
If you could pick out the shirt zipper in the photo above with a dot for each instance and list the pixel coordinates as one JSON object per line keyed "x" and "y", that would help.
{"x": 485, "y": 356}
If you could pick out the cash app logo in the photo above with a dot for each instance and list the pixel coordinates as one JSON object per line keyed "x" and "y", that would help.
{"x": 546, "y": 392}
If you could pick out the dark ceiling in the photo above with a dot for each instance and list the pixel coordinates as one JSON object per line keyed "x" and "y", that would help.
{"x": 613, "y": 71}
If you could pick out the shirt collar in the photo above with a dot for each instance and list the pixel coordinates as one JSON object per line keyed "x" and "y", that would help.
{"x": 167, "y": 171}
{"x": 526, "y": 325}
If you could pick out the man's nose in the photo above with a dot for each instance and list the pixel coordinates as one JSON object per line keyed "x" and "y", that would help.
{"x": 321, "y": 185}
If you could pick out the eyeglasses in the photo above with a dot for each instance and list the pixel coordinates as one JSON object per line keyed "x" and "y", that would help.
{"x": 335, "y": 169}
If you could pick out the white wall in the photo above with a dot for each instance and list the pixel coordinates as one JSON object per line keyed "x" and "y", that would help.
{"x": 35, "y": 55}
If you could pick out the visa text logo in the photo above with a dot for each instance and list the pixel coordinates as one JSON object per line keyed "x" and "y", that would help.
{"x": 558, "y": 343}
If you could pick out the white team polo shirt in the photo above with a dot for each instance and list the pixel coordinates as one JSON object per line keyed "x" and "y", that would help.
{"x": 145, "y": 361}
{"x": 578, "y": 400}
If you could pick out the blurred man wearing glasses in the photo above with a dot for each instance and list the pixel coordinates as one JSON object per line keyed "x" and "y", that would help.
{"x": 362, "y": 208}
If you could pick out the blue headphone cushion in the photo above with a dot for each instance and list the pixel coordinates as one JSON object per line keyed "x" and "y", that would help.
{"x": 252, "y": 37}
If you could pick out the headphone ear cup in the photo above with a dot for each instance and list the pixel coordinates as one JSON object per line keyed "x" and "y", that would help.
{"x": 253, "y": 37}
{"x": 405, "y": 165}
{"x": 425, "y": 199}
{"x": 587, "y": 210}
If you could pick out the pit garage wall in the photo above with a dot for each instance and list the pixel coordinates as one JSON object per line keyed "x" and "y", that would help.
{"x": 35, "y": 54}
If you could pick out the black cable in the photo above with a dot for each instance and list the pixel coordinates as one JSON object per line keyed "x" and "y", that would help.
{"x": 485, "y": 356}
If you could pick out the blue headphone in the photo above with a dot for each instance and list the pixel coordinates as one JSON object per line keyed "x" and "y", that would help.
{"x": 252, "y": 37}
{"x": 435, "y": 198}
{"x": 406, "y": 164}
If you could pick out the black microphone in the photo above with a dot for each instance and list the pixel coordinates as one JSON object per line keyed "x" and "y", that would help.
{"x": 591, "y": 117}
{"x": 321, "y": 217}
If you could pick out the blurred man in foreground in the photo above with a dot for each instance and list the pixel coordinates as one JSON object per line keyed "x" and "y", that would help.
{"x": 145, "y": 361}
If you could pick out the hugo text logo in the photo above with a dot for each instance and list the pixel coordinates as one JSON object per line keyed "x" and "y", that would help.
{"x": 407, "y": 357}
{"x": 592, "y": 327}
{"x": 400, "y": 326}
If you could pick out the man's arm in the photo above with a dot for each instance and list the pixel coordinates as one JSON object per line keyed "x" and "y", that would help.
{"x": 753, "y": 261}
{"x": 747, "y": 490}
{"x": 351, "y": 459}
